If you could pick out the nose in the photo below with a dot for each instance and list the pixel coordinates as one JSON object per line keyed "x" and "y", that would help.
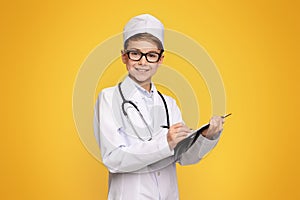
{"x": 143, "y": 60}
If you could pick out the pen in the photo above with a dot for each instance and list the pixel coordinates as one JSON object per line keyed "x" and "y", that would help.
{"x": 224, "y": 116}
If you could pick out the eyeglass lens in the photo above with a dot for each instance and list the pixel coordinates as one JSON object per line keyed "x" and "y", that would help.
{"x": 150, "y": 56}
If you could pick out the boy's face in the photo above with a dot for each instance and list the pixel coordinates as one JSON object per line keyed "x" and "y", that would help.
{"x": 141, "y": 71}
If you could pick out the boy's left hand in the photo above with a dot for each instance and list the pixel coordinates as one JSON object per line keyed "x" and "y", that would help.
{"x": 215, "y": 126}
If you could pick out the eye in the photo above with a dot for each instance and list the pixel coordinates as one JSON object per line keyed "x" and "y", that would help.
{"x": 153, "y": 55}
{"x": 134, "y": 53}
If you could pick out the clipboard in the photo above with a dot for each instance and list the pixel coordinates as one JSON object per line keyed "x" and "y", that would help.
{"x": 186, "y": 143}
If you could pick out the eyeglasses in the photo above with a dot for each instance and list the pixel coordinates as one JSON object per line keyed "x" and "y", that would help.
{"x": 151, "y": 57}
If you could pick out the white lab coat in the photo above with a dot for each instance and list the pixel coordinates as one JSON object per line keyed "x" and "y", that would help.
{"x": 139, "y": 169}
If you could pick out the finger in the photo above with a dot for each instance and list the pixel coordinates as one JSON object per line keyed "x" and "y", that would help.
{"x": 212, "y": 124}
{"x": 180, "y": 137}
{"x": 213, "y": 120}
{"x": 177, "y": 125}
{"x": 217, "y": 121}
{"x": 174, "y": 127}
{"x": 183, "y": 129}
{"x": 180, "y": 134}
{"x": 223, "y": 119}
{"x": 186, "y": 128}
{"x": 219, "y": 126}
{"x": 221, "y": 122}
{"x": 212, "y": 128}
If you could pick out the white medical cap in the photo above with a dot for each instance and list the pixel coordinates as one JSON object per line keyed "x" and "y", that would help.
{"x": 144, "y": 23}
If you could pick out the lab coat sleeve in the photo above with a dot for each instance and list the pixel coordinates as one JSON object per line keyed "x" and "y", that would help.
{"x": 199, "y": 149}
{"x": 118, "y": 155}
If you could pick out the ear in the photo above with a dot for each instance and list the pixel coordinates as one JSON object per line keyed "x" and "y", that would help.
{"x": 161, "y": 59}
{"x": 124, "y": 57}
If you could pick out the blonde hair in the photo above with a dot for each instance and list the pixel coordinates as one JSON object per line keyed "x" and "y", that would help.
{"x": 146, "y": 37}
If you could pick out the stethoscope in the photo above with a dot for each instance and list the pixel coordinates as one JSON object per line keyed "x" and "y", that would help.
{"x": 142, "y": 117}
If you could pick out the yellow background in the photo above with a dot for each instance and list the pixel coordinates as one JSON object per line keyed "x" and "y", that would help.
{"x": 255, "y": 45}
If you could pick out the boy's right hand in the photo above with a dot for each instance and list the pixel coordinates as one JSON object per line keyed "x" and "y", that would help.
{"x": 176, "y": 133}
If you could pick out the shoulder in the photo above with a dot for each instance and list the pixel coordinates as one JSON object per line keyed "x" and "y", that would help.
{"x": 108, "y": 89}
{"x": 106, "y": 94}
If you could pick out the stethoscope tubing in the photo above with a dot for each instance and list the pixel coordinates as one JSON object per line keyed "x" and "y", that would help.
{"x": 142, "y": 117}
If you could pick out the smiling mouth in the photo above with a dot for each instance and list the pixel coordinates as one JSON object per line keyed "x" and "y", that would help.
{"x": 141, "y": 69}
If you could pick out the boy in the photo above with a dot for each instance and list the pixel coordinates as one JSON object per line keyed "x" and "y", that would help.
{"x": 137, "y": 128}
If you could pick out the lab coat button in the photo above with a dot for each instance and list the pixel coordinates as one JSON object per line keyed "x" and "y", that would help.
{"x": 158, "y": 173}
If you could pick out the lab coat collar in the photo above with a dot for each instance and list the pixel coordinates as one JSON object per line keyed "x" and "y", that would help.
{"x": 129, "y": 88}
